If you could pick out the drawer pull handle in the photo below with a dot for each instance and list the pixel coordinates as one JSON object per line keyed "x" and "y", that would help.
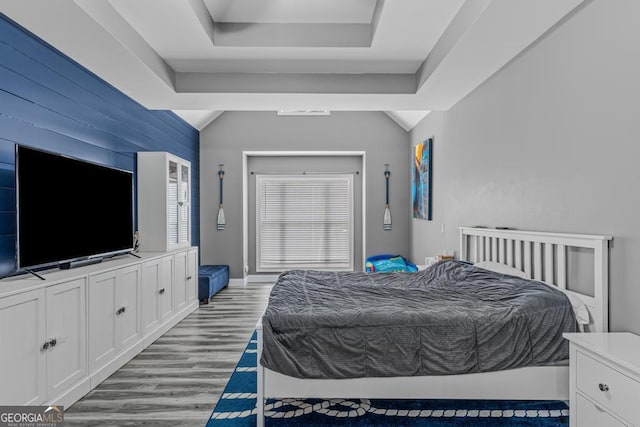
{"x": 603, "y": 387}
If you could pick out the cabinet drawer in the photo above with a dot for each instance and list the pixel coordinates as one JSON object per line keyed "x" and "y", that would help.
{"x": 589, "y": 415}
{"x": 620, "y": 392}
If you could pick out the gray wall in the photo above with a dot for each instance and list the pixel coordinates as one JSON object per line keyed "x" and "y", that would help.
{"x": 224, "y": 140}
{"x": 550, "y": 143}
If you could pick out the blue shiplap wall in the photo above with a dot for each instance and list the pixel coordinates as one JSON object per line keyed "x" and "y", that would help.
{"x": 50, "y": 102}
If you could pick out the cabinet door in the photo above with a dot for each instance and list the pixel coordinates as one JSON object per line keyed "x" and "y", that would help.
{"x": 172, "y": 204}
{"x": 165, "y": 292}
{"x": 66, "y": 324}
{"x": 164, "y": 201}
{"x": 184, "y": 204}
{"x": 22, "y": 359}
{"x": 129, "y": 318}
{"x": 180, "y": 284}
{"x": 192, "y": 275}
{"x": 150, "y": 284}
{"x": 103, "y": 303}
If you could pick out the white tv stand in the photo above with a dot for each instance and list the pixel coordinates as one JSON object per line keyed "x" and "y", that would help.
{"x": 63, "y": 336}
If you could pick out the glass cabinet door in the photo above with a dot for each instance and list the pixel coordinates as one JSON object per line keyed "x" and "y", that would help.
{"x": 172, "y": 204}
{"x": 164, "y": 201}
{"x": 184, "y": 204}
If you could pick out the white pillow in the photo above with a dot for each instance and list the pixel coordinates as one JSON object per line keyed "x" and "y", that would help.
{"x": 501, "y": 268}
{"x": 579, "y": 308}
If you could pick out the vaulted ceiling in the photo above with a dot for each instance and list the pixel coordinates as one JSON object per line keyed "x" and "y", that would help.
{"x": 200, "y": 58}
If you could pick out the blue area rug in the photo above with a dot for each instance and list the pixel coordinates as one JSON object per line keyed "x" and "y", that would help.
{"x": 237, "y": 407}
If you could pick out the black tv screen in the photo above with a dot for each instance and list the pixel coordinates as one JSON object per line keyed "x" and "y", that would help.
{"x": 69, "y": 209}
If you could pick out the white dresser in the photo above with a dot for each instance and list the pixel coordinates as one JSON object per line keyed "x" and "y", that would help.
{"x": 61, "y": 337}
{"x": 604, "y": 379}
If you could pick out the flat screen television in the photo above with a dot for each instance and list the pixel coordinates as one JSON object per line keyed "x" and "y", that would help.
{"x": 70, "y": 209}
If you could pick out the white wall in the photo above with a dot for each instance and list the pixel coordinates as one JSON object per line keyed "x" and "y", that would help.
{"x": 551, "y": 142}
{"x": 224, "y": 140}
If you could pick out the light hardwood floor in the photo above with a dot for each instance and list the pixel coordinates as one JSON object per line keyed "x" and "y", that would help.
{"x": 178, "y": 379}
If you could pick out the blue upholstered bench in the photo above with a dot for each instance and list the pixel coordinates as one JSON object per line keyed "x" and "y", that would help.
{"x": 211, "y": 278}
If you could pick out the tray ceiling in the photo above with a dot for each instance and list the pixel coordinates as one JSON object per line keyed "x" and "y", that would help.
{"x": 292, "y": 11}
{"x": 202, "y": 57}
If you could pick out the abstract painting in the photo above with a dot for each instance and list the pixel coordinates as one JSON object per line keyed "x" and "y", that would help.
{"x": 422, "y": 180}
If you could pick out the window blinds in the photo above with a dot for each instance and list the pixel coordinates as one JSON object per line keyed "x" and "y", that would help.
{"x": 172, "y": 206}
{"x": 185, "y": 204}
{"x": 304, "y": 221}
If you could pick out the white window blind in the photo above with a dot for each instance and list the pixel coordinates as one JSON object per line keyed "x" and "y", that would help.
{"x": 184, "y": 204}
{"x": 304, "y": 221}
{"x": 172, "y": 206}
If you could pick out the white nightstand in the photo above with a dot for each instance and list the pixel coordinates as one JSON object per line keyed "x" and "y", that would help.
{"x": 604, "y": 379}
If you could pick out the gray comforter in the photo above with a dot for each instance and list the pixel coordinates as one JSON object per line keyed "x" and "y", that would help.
{"x": 451, "y": 318}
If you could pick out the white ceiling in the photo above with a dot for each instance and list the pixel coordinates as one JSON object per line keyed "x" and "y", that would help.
{"x": 292, "y": 11}
{"x": 202, "y": 57}
{"x": 175, "y": 32}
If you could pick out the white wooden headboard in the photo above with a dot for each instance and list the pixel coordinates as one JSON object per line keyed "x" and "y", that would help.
{"x": 543, "y": 256}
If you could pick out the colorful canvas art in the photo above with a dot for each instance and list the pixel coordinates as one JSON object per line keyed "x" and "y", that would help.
{"x": 421, "y": 186}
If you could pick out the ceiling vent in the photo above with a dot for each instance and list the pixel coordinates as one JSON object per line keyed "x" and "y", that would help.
{"x": 304, "y": 112}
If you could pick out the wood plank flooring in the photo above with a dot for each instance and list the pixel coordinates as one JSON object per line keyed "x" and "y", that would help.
{"x": 178, "y": 379}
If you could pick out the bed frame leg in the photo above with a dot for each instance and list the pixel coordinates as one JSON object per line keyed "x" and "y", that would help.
{"x": 260, "y": 401}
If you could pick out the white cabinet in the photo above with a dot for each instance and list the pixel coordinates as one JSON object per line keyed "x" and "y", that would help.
{"x": 186, "y": 278}
{"x": 164, "y": 201}
{"x": 66, "y": 336}
{"x": 22, "y": 360}
{"x": 63, "y": 336}
{"x": 157, "y": 292}
{"x": 192, "y": 275}
{"x": 129, "y": 317}
{"x": 165, "y": 291}
{"x": 180, "y": 284}
{"x": 103, "y": 302}
{"x": 44, "y": 355}
{"x": 149, "y": 289}
{"x": 604, "y": 379}
{"x": 114, "y": 320}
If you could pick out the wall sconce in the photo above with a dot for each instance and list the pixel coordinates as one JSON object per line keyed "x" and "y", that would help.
{"x": 221, "y": 219}
{"x": 386, "y": 221}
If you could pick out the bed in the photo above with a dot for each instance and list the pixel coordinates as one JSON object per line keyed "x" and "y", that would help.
{"x": 543, "y": 257}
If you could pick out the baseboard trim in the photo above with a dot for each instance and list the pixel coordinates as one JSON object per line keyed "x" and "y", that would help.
{"x": 236, "y": 282}
{"x": 73, "y": 394}
{"x": 103, "y": 372}
{"x": 261, "y": 278}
